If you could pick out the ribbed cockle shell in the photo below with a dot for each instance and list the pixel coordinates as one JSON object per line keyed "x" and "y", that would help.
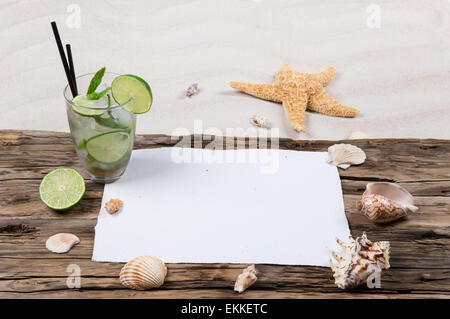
{"x": 344, "y": 155}
{"x": 61, "y": 243}
{"x": 385, "y": 202}
{"x": 143, "y": 272}
{"x": 362, "y": 260}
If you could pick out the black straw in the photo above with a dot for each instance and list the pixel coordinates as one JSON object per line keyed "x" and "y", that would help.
{"x": 72, "y": 70}
{"x": 63, "y": 58}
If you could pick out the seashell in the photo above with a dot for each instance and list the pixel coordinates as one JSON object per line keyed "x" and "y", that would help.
{"x": 143, "y": 272}
{"x": 192, "y": 90}
{"x": 357, "y": 135}
{"x": 61, "y": 243}
{"x": 260, "y": 121}
{"x": 363, "y": 259}
{"x": 113, "y": 205}
{"x": 246, "y": 279}
{"x": 384, "y": 202}
{"x": 344, "y": 155}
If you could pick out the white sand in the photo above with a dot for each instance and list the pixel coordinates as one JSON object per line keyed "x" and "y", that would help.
{"x": 397, "y": 75}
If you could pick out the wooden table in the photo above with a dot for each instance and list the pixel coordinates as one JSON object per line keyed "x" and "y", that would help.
{"x": 420, "y": 254}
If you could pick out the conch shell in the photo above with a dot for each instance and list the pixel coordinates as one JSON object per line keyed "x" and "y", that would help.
{"x": 61, "y": 243}
{"x": 143, "y": 272}
{"x": 362, "y": 259}
{"x": 344, "y": 155}
{"x": 246, "y": 279}
{"x": 385, "y": 202}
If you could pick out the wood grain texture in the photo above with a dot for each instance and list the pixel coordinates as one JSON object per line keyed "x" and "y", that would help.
{"x": 420, "y": 264}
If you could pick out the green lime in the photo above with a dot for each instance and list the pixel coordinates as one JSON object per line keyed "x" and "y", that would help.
{"x": 109, "y": 147}
{"x": 62, "y": 188}
{"x": 89, "y": 108}
{"x": 129, "y": 86}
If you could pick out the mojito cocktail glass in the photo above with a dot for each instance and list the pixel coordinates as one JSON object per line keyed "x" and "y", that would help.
{"x": 103, "y": 135}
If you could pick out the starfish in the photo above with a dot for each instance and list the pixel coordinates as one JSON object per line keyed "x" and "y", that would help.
{"x": 298, "y": 92}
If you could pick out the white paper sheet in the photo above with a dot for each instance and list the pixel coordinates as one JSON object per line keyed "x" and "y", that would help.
{"x": 256, "y": 206}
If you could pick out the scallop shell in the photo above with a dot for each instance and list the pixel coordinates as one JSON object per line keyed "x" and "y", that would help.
{"x": 362, "y": 259}
{"x": 143, "y": 272}
{"x": 385, "y": 202}
{"x": 61, "y": 243}
{"x": 246, "y": 279}
{"x": 260, "y": 121}
{"x": 344, "y": 155}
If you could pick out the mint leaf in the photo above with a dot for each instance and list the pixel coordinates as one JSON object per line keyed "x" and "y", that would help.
{"x": 96, "y": 80}
{"x": 96, "y": 96}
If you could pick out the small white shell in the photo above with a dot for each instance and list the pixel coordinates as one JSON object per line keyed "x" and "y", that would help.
{"x": 362, "y": 260}
{"x": 344, "y": 155}
{"x": 143, "y": 272}
{"x": 384, "y": 202}
{"x": 260, "y": 121}
{"x": 246, "y": 279}
{"x": 61, "y": 243}
{"x": 192, "y": 90}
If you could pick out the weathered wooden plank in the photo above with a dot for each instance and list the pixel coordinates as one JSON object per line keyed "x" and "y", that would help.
{"x": 25, "y": 277}
{"x": 420, "y": 255}
{"x": 425, "y": 248}
{"x": 211, "y": 293}
{"x": 391, "y": 159}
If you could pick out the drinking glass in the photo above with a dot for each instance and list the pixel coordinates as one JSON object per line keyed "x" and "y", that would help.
{"x": 103, "y": 138}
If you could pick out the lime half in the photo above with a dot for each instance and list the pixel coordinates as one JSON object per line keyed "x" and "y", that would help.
{"x": 109, "y": 147}
{"x": 126, "y": 87}
{"x": 89, "y": 108}
{"x": 62, "y": 188}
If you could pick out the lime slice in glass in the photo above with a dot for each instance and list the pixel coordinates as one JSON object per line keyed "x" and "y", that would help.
{"x": 126, "y": 87}
{"x": 109, "y": 147}
{"x": 89, "y": 108}
{"x": 62, "y": 188}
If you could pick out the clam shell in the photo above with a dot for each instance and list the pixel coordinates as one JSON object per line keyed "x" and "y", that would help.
{"x": 246, "y": 279}
{"x": 384, "y": 202}
{"x": 61, "y": 243}
{"x": 362, "y": 259}
{"x": 344, "y": 155}
{"x": 143, "y": 272}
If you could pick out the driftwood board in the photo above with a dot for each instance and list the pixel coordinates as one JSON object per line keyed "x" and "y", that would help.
{"x": 420, "y": 253}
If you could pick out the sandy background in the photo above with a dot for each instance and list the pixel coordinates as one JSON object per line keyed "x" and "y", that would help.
{"x": 398, "y": 75}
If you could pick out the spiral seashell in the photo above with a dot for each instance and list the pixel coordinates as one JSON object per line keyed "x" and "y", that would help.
{"x": 61, "y": 243}
{"x": 386, "y": 202}
{"x": 362, "y": 260}
{"x": 143, "y": 272}
{"x": 344, "y": 155}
